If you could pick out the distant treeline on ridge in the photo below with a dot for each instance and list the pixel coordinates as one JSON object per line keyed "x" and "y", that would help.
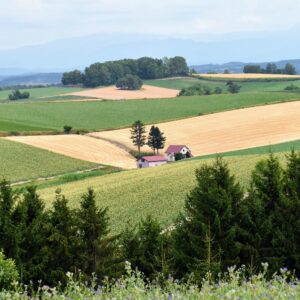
{"x": 107, "y": 73}
{"x": 271, "y": 68}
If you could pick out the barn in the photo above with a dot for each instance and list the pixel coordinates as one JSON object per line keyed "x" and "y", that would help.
{"x": 151, "y": 161}
{"x": 177, "y": 152}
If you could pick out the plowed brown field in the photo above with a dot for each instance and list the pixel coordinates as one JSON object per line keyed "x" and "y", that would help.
{"x": 112, "y": 93}
{"x": 226, "y": 131}
{"x": 81, "y": 147}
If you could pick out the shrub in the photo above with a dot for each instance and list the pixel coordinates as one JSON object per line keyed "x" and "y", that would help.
{"x": 233, "y": 87}
{"x": 67, "y": 129}
{"x": 218, "y": 90}
{"x": 292, "y": 87}
{"x": 16, "y": 95}
{"x": 8, "y": 272}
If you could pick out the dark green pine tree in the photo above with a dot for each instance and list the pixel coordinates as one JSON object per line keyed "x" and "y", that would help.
{"x": 156, "y": 139}
{"x": 205, "y": 238}
{"x": 292, "y": 214}
{"x": 9, "y": 228}
{"x": 268, "y": 205}
{"x": 62, "y": 246}
{"x": 138, "y": 136}
{"x": 98, "y": 249}
{"x": 34, "y": 236}
{"x": 147, "y": 248}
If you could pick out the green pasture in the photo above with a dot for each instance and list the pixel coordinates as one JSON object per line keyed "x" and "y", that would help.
{"x": 105, "y": 115}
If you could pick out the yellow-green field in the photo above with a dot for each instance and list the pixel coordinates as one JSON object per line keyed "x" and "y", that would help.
{"x": 159, "y": 191}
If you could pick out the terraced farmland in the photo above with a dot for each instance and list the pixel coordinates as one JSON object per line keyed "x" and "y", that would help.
{"x": 226, "y": 131}
{"x": 81, "y": 147}
{"x": 120, "y": 114}
{"x": 21, "y": 162}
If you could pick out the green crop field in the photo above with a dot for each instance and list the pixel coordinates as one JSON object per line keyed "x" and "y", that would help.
{"x": 250, "y": 86}
{"x": 183, "y": 82}
{"x": 159, "y": 191}
{"x": 105, "y": 115}
{"x": 21, "y": 162}
{"x": 276, "y": 148}
{"x": 46, "y": 92}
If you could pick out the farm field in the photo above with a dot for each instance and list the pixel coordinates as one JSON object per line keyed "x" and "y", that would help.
{"x": 226, "y": 131}
{"x": 112, "y": 93}
{"x": 105, "y": 115}
{"x": 257, "y": 86}
{"x": 179, "y": 83}
{"x": 40, "y": 93}
{"x": 135, "y": 194}
{"x": 81, "y": 147}
{"x": 274, "y": 148}
{"x": 248, "y": 76}
{"x": 20, "y": 162}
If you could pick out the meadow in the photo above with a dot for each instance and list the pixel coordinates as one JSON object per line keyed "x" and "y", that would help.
{"x": 41, "y": 93}
{"x": 159, "y": 191}
{"x": 256, "y": 86}
{"x": 21, "y": 162}
{"x": 105, "y": 115}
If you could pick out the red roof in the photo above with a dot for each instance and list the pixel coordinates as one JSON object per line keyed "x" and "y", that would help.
{"x": 175, "y": 148}
{"x": 154, "y": 158}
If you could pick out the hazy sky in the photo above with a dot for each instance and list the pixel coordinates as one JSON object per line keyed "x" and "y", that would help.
{"x": 25, "y": 22}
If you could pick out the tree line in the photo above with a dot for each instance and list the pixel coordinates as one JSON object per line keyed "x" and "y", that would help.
{"x": 108, "y": 73}
{"x": 221, "y": 225}
{"x": 271, "y": 68}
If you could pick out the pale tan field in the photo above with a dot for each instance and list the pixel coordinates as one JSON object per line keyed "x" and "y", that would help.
{"x": 247, "y": 76}
{"x": 112, "y": 93}
{"x": 81, "y": 147}
{"x": 226, "y": 131}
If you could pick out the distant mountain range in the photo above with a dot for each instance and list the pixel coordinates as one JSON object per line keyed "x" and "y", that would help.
{"x": 79, "y": 52}
{"x": 237, "y": 67}
{"x": 31, "y": 79}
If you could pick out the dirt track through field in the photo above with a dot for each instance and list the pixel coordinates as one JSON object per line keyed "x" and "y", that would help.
{"x": 81, "y": 147}
{"x": 226, "y": 131}
{"x": 112, "y": 93}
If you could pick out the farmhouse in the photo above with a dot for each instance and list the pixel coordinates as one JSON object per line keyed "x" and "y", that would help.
{"x": 177, "y": 152}
{"x": 151, "y": 161}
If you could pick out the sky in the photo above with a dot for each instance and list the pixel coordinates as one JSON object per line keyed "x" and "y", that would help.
{"x": 29, "y": 22}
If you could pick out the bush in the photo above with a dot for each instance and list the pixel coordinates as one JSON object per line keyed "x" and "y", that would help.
{"x": 16, "y": 95}
{"x": 67, "y": 129}
{"x": 233, "y": 87}
{"x": 199, "y": 90}
{"x": 129, "y": 82}
{"x": 8, "y": 272}
{"x": 292, "y": 87}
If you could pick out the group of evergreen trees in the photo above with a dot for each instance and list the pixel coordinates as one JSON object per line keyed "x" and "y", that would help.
{"x": 108, "y": 73}
{"x": 221, "y": 226}
{"x": 271, "y": 68}
{"x": 156, "y": 139}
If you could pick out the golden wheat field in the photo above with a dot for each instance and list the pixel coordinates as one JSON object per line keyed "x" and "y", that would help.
{"x": 112, "y": 93}
{"x": 81, "y": 147}
{"x": 226, "y": 131}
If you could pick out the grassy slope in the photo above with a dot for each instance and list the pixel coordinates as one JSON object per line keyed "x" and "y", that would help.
{"x": 183, "y": 82}
{"x": 42, "y": 92}
{"x": 282, "y": 147}
{"x": 21, "y": 162}
{"x": 116, "y": 114}
{"x": 159, "y": 191}
{"x": 259, "y": 86}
